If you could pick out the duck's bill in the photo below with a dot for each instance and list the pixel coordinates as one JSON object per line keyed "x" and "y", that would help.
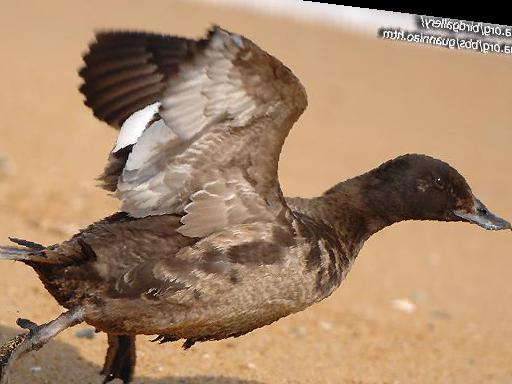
{"x": 481, "y": 216}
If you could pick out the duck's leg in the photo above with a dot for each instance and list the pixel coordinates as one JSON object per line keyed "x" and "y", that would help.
{"x": 120, "y": 358}
{"x": 37, "y": 336}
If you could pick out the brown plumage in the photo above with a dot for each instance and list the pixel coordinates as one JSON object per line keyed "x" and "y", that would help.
{"x": 207, "y": 247}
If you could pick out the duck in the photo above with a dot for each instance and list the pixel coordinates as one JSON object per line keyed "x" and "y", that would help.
{"x": 205, "y": 245}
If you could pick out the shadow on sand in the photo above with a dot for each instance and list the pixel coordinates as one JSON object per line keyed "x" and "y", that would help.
{"x": 67, "y": 366}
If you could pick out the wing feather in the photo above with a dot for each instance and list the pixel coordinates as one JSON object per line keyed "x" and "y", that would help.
{"x": 129, "y": 66}
{"x": 211, "y": 151}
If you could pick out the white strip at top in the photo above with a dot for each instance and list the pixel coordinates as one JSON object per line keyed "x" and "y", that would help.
{"x": 367, "y": 21}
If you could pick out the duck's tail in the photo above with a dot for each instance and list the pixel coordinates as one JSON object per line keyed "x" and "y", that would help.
{"x": 25, "y": 251}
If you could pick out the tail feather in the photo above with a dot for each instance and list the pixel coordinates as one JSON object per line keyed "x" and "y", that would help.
{"x": 27, "y": 244}
{"x": 13, "y": 253}
{"x": 25, "y": 251}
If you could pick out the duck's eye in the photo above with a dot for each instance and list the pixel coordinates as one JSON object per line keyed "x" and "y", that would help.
{"x": 439, "y": 183}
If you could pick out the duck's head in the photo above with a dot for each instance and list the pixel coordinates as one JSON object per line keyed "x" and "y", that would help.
{"x": 425, "y": 188}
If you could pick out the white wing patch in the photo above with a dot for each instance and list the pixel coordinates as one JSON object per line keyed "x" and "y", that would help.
{"x": 134, "y": 125}
{"x": 221, "y": 204}
{"x": 141, "y": 185}
{"x": 148, "y": 146}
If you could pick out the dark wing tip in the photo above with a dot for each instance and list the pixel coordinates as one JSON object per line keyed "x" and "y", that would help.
{"x": 124, "y": 71}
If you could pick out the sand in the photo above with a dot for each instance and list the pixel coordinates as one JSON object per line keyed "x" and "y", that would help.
{"x": 369, "y": 100}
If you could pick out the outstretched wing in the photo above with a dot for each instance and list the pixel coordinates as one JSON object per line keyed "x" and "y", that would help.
{"x": 202, "y": 125}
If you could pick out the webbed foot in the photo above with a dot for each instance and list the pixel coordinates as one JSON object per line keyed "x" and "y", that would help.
{"x": 37, "y": 336}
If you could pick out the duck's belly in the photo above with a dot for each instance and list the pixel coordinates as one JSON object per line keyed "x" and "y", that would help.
{"x": 206, "y": 323}
{"x": 217, "y": 307}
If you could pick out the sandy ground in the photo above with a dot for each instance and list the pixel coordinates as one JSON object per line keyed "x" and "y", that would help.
{"x": 369, "y": 100}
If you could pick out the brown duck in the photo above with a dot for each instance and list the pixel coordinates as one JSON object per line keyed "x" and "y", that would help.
{"x": 205, "y": 246}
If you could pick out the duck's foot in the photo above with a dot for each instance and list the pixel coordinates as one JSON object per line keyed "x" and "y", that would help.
{"x": 8, "y": 354}
{"x": 120, "y": 358}
{"x": 37, "y": 336}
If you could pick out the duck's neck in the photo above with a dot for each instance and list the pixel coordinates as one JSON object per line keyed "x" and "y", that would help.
{"x": 359, "y": 207}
